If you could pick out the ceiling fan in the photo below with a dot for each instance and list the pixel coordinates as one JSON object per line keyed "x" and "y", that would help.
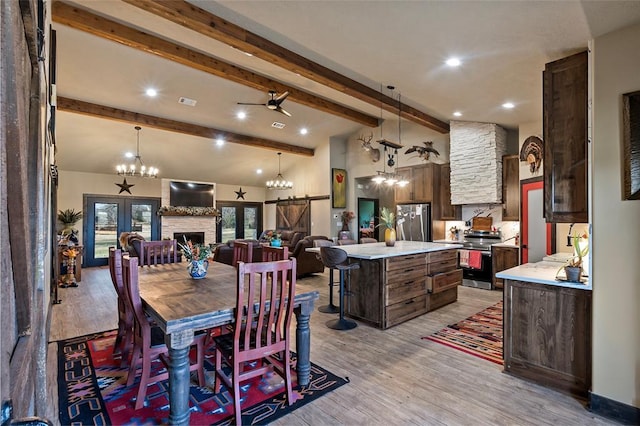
{"x": 274, "y": 102}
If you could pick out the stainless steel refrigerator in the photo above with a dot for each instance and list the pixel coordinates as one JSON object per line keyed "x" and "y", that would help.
{"x": 413, "y": 222}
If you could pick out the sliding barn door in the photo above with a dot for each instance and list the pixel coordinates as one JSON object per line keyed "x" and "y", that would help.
{"x": 294, "y": 216}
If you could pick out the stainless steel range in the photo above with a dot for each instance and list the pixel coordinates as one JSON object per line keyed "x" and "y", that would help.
{"x": 479, "y": 241}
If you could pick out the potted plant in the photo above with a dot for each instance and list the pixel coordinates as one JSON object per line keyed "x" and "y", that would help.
{"x": 388, "y": 220}
{"x": 573, "y": 268}
{"x": 68, "y": 218}
{"x": 198, "y": 257}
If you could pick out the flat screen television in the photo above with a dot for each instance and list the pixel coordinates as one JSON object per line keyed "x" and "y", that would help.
{"x": 188, "y": 194}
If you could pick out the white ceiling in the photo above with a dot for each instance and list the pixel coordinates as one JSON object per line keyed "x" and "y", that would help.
{"x": 503, "y": 45}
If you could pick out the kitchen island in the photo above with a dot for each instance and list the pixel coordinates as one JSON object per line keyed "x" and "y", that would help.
{"x": 395, "y": 284}
{"x": 547, "y": 327}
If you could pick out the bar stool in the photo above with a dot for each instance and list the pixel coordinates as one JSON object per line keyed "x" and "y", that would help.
{"x": 336, "y": 258}
{"x": 330, "y": 308}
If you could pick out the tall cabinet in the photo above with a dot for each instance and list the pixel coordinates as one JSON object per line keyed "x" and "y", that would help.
{"x": 510, "y": 188}
{"x": 565, "y": 139}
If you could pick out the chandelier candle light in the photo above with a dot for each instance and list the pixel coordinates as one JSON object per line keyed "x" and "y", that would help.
{"x": 279, "y": 182}
{"x": 137, "y": 168}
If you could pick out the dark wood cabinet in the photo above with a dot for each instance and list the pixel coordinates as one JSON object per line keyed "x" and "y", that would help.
{"x": 443, "y": 210}
{"x": 420, "y": 187}
{"x": 565, "y": 139}
{"x": 502, "y": 257}
{"x": 511, "y": 188}
{"x": 547, "y": 335}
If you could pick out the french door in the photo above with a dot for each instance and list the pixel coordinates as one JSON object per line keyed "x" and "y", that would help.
{"x": 107, "y": 216}
{"x": 239, "y": 220}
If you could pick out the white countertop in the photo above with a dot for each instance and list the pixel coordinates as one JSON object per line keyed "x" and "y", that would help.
{"x": 508, "y": 245}
{"x": 381, "y": 251}
{"x": 542, "y": 273}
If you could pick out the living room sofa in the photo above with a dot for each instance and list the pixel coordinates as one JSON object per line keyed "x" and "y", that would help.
{"x": 308, "y": 263}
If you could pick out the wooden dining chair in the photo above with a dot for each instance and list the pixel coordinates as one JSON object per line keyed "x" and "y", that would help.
{"x": 124, "y": 338}
{"x": 242, "y": 252}
{"x": 261, "y": 330}
{"x": 148, "y": 341}
{"x": 158, "y": 252}
{"x": 347, "y": 242}
{"x": 271, "y": 254}
{"x": 367, "y": 240}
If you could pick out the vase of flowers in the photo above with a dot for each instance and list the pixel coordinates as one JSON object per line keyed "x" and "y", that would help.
{"x": 197, "y": 256}
{"x": 388, "y": 220}
{"x": 347, "y": 217}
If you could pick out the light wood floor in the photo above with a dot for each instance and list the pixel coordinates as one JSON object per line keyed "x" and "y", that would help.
{"x": 395, "y": 376}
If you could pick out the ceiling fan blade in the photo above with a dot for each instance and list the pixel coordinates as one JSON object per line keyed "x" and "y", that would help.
{"x": 248, "y": 103}
{"x": 279, "y": 109}
{"x": 282, "y": 97}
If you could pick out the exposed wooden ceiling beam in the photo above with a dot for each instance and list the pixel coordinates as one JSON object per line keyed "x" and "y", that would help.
{"x": 101, "y": 111}
{"x": 203, "y": 22}
{"x": 83, "y": 20}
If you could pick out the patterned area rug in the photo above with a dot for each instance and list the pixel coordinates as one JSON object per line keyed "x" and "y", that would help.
{"x": 92, "y": 391}
{"x": 479, "y": 335}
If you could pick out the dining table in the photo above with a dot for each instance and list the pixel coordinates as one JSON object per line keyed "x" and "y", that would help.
{"x": 181, "y": 306}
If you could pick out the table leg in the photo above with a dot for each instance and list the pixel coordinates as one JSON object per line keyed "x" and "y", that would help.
{"x": 179, "y": 344}
{"x": 303, "y": 342}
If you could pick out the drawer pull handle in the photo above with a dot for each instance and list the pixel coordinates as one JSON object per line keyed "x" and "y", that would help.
{"x": 408, "y": 302}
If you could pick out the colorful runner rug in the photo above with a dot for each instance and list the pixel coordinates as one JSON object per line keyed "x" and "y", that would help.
{"x": 92, "y": 391}
{"x": 479, "y": 335}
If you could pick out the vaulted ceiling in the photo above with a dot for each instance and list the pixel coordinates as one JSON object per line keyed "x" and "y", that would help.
{"x": 335, "y": 59}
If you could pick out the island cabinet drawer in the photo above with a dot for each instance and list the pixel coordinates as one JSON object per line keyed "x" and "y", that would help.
{"x": 402, "y": 291}
{"x": 445, "y": 265}
{"x": 442, "y": 256}
{"x": 403, "y": 311}
{"x": 441, "y": 282}
{"x": 405, "y": 275}
{"x": 405, "y": 263}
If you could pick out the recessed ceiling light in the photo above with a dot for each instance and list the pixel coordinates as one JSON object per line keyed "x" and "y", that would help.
{"x": 508, "y": 105}
{"x": 128, "y": 154}
{"x": 457, "y": 114}
{"x": 241, "y": 115}
{"x": 304, "y": 131}
{"x": 259, "y": 171}
{"x": 151, "y": 92}
{"x": 453, "y": 62}
{"x": 219, "y": 141}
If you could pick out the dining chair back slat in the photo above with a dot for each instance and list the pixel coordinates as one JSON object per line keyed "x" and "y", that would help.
{"x": 272, "y": 254}
{"x": 242, "y": 252}
{"x": 158, "y": 252}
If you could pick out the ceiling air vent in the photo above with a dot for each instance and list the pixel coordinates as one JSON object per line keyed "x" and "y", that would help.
{"x": 277, "y": 125}
{"x": 186, "y": 101}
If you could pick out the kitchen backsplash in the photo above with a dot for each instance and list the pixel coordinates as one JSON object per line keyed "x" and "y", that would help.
{"x": 509, "y": 229}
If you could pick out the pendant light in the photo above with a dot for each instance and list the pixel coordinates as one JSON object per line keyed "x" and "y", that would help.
{"x": 390, "y": 178}
{"x": 279, "y": 182}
